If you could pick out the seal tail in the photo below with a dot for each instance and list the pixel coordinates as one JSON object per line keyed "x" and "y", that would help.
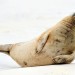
{"x": 5, "y": 48}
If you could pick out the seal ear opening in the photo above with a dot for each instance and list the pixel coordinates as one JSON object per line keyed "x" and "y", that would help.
{"x": 41, "y": 42}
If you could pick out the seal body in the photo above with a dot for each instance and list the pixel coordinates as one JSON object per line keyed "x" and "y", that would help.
{"x": 54, "y": 46}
